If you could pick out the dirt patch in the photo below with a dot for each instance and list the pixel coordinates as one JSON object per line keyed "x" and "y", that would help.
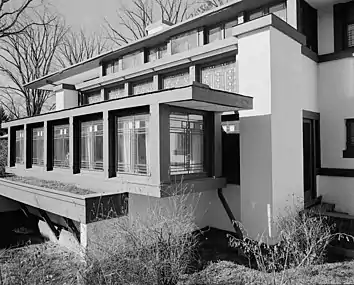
{"x": 56, "y": 185}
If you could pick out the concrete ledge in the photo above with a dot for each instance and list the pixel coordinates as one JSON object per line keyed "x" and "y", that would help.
{"x": 269, "y": 21}
{"x": 81, "y": 208}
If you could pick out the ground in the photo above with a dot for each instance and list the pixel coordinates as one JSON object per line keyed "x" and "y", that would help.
{"x": 51, "y": 264}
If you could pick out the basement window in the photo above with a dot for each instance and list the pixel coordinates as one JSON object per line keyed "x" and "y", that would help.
{"x": 186, "y": 143}
{"x": 20, "y": 138}
{"x": 349, "y": 151}
{"x": 61, "y": 146}
{"x": 38, "y": 146}
{"x": 132, "y": 144}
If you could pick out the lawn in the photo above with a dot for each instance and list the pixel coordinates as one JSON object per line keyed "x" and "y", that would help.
{"x": 56, "y": 185}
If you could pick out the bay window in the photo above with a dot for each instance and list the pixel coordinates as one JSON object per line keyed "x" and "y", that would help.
{"x": 20, "y": 146}
{"x": 61, "y": 146}
{"x": 186, "y": 143}
{"x": 132, "y": 144}
{"x": 92, "y": 145}
{"x": 38, "y": 146}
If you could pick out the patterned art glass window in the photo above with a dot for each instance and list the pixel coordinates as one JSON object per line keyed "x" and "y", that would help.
{"x": 111, "y": 67}
{"x": 176, "y": 80}
{"x": 116, "y": 92}
{"x": 61, "y": 153}
{"x": 38, "y": 146}
{"x": 350, "y": 32}
{"x": 184, "y": 42}
{"x": 222, "y": 76}
{"x": 132, "y": 144}
{"x": 132, "y": 60}
{"x": 91, "y": 97}
{"x": 186, "y": 143}
{"x": 20, "y": 138}
{"x": 157, "y": 53}
{"x": 141, "y": 87}
{"x": 92, "y": 145}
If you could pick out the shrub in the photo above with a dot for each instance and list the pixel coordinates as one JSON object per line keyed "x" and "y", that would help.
{"x": 303, "y": 239}
{"x": 155, "y": 249}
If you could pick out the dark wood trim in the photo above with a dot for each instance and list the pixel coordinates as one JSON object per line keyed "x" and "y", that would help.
{"x": 336, "y": 172}
{"x": 288, "y": 30}
{"x": 309, "y": 53}
{"x": 310, "y": 115}
{"x": 347, "y": 53}
{"x": 231, "y": 117}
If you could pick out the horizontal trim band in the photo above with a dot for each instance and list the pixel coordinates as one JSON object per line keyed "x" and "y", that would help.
{"x": 336, "y": 172}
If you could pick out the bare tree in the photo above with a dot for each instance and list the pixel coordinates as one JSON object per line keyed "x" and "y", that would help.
{"x": 79, "y": 46}
{"x": 25, "y": 57}
{"x": 206, "y": 5}
{"x": 9, "y": 16}
{"x": 133, "y": 19}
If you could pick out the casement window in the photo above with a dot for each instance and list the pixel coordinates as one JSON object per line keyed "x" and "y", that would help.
{"x": 156, "y": 53}
{"x": 343, "y": 17}
{"x": 221, "y": 75}
{"x": 184, "y": 42}
{"x": 91, "y": 97}
{"x": 132, "y": 144}
{"x": 38, "y": 146}
{"x": 116, "y": 92}
{"x": 111, "y": 67}
{"x": 142, "y": 87}
{"x": 177, "y": 79}
{"x": 220, "y": 32}
{"x": 92, "y": 145}
{"x": 276, "y": 9}
{"x": 132, "y": 60}
{"x": 349, "y": 151}
{"x": 20, "y": 137}
{"x": 186, "y": 143}
{"x": 61, "y": 151}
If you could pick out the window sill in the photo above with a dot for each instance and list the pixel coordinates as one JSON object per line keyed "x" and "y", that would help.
{"x": 348, "y": 153}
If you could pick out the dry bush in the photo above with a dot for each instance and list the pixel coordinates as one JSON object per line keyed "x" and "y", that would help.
{"x": 152, "y": 249}
{"x": 303, "y": 238}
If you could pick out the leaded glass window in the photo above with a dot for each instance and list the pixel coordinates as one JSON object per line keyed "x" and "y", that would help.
{"x": 157, "y": 53}
{"x": 38, "y": 146}
{"x": 92, "y": 97}
{"x": 141, "y": 87}
{"x": 214, "y": 34}
{"x": 20, "y": 138}
{"x": 222, "y": 76}
{"x": 132, "y": 60}
{"x": 186, "y": 144}
{"x": 61, "y": 153}
{"x": 92, "y": 145}
{"x": 111, "y": 67}
{"x": 228, "y": 28}
{"x": 350, "y": 32}
{"x": 116, "y": 92}
{"x": 184, "y": 42}
{"x": 132, "y": 144}
{"x": 279, "y": 10}
{"x": 176, "y": 80}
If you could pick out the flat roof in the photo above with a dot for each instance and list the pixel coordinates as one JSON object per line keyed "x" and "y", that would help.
{"x": 219, "y": 14}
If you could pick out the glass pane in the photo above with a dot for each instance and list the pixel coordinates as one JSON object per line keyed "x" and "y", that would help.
{"x": 143, "y": 87}
{"x": 279, "y": 10}
{"x": 228, "y": 28}
{"x": 350, "y": 35}
{"x": 184, "y": 42}
{"x": 256, "y": 14}
{"x": 176, "y": 80}
{"x": 116, "y": 92}
{"x": 221, "y": 76}
{"x": 132, "y": 60}
{"x": 214, "y": 34}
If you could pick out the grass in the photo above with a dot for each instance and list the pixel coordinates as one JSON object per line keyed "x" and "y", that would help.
{"x": 65, "y": 187}
{"x": 46, "y": 263}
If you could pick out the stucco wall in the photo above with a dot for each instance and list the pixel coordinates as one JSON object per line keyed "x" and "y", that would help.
{"x": 283, "y": 83}
{"x": 336, "y": 97}
{"x": 325, "y": 30}
{"x": 65, "y": 99}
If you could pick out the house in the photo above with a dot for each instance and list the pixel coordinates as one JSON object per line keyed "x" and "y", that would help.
{"x": 250, "y": 104}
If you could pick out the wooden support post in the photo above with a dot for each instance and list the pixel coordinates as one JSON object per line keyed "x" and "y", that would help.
{"x": 106, "y": 168}
{"x": 46, "y": 218}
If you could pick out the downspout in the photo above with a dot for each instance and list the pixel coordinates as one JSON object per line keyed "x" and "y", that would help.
{"x": 229, "y": 213}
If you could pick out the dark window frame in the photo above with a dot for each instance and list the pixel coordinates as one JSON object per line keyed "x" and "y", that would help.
{"x": 349, "y": 151}
{"x": 264, "y": 9}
